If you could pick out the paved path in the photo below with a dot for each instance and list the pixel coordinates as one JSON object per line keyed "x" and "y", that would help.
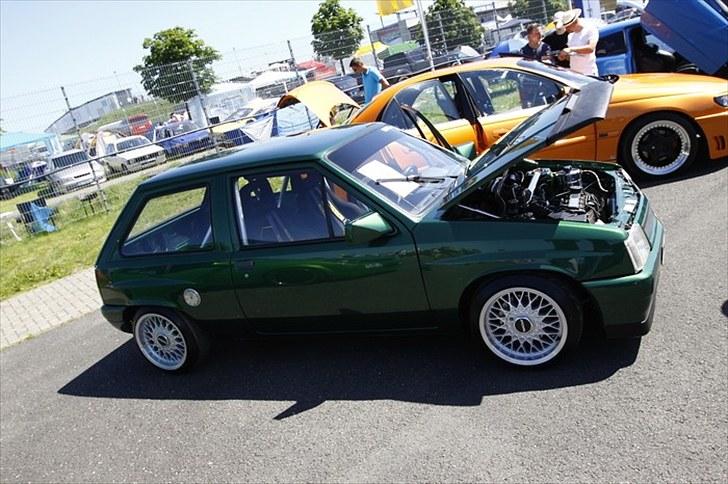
{"x": 45, "y": 307}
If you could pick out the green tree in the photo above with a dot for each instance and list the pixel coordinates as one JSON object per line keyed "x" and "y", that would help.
{"x": 165, "y": 70}
{"x": 336, "y": 31}
{"x": 534, "y": 9}
{"x": 456, "y": 21}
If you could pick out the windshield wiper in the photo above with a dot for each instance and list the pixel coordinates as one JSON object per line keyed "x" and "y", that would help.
{"x": 416, "y": 179}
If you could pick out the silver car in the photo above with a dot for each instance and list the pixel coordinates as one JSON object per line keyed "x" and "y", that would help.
{"x": 72, "y": 169}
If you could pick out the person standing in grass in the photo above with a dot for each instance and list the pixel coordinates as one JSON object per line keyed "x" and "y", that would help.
{"x": 372, "y": 80}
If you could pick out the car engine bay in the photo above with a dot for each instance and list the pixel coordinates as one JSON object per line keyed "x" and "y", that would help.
{"x": 568, "y": 193}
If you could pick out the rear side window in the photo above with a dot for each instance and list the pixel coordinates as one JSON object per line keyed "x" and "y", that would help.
{"x": 175, "y": 222}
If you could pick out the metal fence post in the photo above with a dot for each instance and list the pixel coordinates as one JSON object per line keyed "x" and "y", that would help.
{"x": 497, "y": 27}
{"x": 442, "y": 31}
{"x": 374, "y": 52}
{"x": 80, "y": 139}
{"x": 203, "y": 104}
{"x": 293, "y": 60}
{"x": 123, "y": 109}
{"x": 423, "y": 24}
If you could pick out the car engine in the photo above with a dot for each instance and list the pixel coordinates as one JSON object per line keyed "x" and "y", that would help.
{"x": 568, "y": 193}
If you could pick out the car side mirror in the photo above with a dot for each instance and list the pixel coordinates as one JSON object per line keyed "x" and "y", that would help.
{"x": 366, "y": 228}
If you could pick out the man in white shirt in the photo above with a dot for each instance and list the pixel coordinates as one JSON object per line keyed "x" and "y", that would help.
{"x": 582, "y": 45}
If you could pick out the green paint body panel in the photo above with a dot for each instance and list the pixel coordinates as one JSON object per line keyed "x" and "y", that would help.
{"x": 413, "y": 278}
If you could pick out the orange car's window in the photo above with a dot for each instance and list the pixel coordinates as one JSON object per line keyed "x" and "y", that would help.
{"x": 499, "y": 91}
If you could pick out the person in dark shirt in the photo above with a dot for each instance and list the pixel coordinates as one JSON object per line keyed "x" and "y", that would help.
{"x": 535, "y": 49}
{"x": 558, "y": 40}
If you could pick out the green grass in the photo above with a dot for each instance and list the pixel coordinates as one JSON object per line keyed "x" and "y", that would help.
{"x": 42, "y": 258}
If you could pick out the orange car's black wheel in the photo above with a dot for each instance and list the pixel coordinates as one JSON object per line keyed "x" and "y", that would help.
{"x": 659, "y": 145}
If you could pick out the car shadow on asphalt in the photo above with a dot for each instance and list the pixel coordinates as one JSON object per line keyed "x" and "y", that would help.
{"x": 439, "y": 370}
{"x": 702, "y": 168}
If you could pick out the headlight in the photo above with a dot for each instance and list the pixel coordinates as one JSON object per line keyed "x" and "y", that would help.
{"x": 638, "y": 247}
{"x": 722, "y": 100}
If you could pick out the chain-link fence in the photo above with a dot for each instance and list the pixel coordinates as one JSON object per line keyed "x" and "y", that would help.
{"x": 67, "y": 147}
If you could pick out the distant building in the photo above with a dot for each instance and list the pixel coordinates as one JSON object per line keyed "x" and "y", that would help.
{"x": 91, "y": 111}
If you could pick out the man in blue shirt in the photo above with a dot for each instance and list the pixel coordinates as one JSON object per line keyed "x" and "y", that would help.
{"x": 372, "y": 80}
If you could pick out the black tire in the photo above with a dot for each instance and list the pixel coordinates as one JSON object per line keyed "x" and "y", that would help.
{"x": 195, "y": 340}
{"x": 674, "y": 148}
{"x": 528, "y": 323}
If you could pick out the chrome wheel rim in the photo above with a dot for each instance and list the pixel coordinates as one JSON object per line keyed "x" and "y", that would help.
{"x": 523, "y": 326}
{"x": 661, "y": 147}
{"x": 161, "y": 341}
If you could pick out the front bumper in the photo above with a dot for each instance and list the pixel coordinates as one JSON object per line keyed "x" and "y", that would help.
{"x": 627, "y": 304}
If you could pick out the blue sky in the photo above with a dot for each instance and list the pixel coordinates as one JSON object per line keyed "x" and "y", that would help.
{"x": 46, "y": 44}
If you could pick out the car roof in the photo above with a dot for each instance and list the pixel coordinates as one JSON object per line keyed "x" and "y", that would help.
{"x": 618, "y": 26}
{"x": 306, "y": 146}
{"x": 68, "y": 152}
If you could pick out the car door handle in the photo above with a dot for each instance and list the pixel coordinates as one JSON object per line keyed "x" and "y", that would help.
{"x": 244, "y": 264}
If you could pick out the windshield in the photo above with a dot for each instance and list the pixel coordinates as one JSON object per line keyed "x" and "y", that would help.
{"x": 131, "y": 143}
{"x": 176, "y": 129}
{"x": 69, "y": 159}
{"x": 394, "y": 164}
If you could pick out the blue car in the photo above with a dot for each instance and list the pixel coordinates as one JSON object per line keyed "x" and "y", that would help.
{"x": 182, "y": 138}
{"x": 699, "y": 33}
{"x": 626, "y": 48}
{"x": 633, "y": 45}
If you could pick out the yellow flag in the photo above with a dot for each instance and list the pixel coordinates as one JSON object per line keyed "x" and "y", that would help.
{"x": 388, "y": 7}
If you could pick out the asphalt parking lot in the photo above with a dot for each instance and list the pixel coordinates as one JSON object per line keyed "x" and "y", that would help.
{"x": 80, "y": 404}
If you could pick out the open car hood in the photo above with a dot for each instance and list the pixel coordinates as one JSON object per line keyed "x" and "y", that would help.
{"x": 699, "y": 32}
{"x": 321, "y": 97}
{"x": 571, "y": 113}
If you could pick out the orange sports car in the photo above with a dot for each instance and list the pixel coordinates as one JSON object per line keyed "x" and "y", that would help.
{"x": 657, "y": 124}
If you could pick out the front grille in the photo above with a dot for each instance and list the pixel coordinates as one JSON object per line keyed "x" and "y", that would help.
{"x": 142, "y": 159}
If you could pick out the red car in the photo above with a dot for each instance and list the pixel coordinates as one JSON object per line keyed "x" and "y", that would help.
{"x": 139, "y": 124}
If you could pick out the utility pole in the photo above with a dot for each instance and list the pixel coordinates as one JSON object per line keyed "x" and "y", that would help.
{"x": 545, "y": 15}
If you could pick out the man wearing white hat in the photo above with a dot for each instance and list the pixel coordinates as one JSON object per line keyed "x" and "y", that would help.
{"x": 583, "y": 38}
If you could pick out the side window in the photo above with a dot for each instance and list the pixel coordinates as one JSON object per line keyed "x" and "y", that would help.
{"x": 434, "y": 99}
{"x": 292, "y": 206}
{"x": 502, "y": 91}
{"x": 176, "y": 222}
{"x": 611, "y": 45}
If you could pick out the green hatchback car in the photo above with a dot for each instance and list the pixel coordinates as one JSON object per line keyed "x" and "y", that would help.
{"x": 366, "y": 228}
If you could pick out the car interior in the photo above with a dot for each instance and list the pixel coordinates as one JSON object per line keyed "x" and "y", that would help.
{"x": 648, "y": 57}
{"x": 293, "y": 207}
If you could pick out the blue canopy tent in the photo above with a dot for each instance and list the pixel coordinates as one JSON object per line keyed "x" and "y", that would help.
{"x": 9, "y": 141}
